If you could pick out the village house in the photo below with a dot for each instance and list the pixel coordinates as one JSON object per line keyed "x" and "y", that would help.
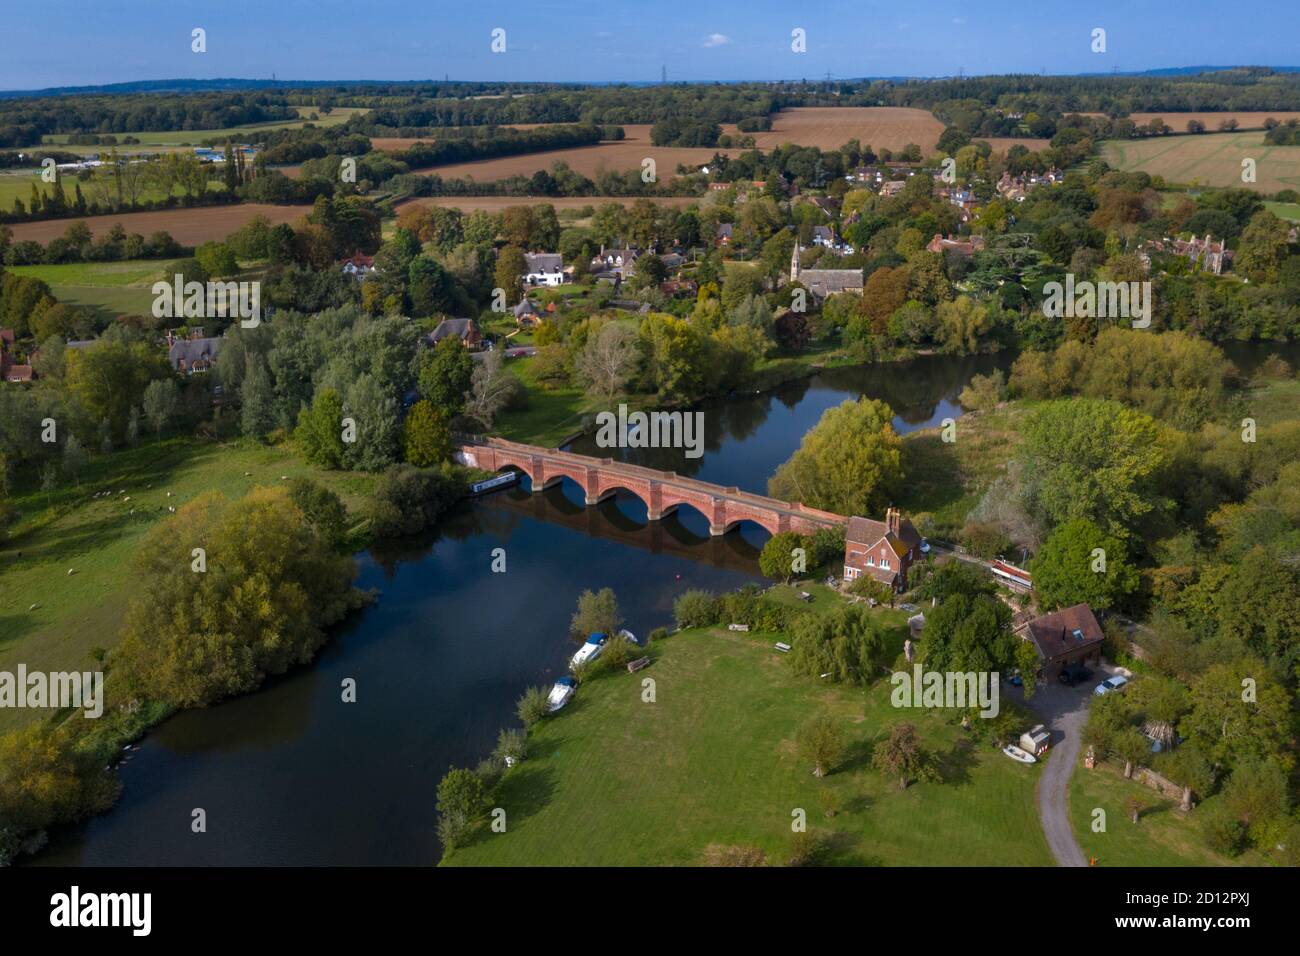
{"x": 962, "y": 247}
{"x": 358, "y": 266}
{"x": 464, "y": 329}
{"x": 824, "y": 282}
{"x": 526, "y": 313}
{"x": 1064, "y": 638}
{"x": 723, "y": 234}
{"x": 614, "y": 263}
{"x": 193, "y": 354}
{"x": 11, "y": 370}
{"x": 1204, "y": 254}
{"x": 679, "y": 287}
{"x": 892, "y": 188}
{"x": 883, "y": 550}
{"x": 544, "y": 268}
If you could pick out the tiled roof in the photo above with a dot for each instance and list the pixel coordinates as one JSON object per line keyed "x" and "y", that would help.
{"x": 1065, "y": 630}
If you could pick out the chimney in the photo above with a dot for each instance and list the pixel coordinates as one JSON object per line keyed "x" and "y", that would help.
{"x": 892, "y": 520}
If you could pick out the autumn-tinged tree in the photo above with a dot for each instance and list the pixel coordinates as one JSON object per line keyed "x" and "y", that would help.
{"x": 256, "y": 600}
{"x": 849, "y": 463}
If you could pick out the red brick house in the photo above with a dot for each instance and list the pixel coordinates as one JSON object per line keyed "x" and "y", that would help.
{"x": 883, "y": 550}
{"x": 10, "y": 370}
{"x": 1068, "y": 636}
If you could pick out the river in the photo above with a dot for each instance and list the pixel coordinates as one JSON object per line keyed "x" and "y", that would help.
{"x": 292, "y": 775}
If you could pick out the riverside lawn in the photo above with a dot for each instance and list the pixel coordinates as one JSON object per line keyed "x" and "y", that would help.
{"x": 615, "y": 781}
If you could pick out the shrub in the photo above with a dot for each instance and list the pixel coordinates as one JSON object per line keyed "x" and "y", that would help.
{"x": 696, "y": 609}
{"x": 719, "y": 854}
{"x": 806, "y": 849}
{"x": 658, "y": 634}
{"x": 407, "y": 499}
{"x": 512, "y": 745}
{"x": 532, "y": 705}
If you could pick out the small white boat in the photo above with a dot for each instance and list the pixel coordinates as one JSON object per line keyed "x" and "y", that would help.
{"x": 590, "y": 650}
{"x": 1015, "y": 753}
{"x": 628, "y": 636}
{"x": 561, "y": 691}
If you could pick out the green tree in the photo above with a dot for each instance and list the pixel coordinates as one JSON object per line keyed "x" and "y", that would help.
{"x": 532, "y": 705}
{"x": 462, "y": 801}
{"x": 320, "y": 430}
{"x": 1079, "y": 564}
{"x": 782, "y": 554}
{"x": 445, "y": 375}
{"x": 1237, "y": 712}
{"x": 597, "y": 613}
{"x": 848, "y": 463}
{"x": 902, "y": 755}
{"x": 844, "y": 644}
{"x": 1085, "y": 458}
{"x": 323, "y": 511}
{"x": 511, "y": 268}
{"x": 821, "y": 743}
{"x": 426, "y": 435}
{"x": 257, "y": 398}
{"x": 160, "y": 401}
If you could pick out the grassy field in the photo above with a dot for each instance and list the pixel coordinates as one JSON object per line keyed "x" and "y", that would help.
{"x": 195, "y": 137}
{"x": 1163, "y": 836}
{"x": 1212, "y": 159}
{"x": 17, "y": 184}
{"x": 1284, "y": 210}
{"x": 115, "y": 288}
{"x": 96, "y": 537}
{"x": 615, "y": 781}
{"x": 947, "y": 479}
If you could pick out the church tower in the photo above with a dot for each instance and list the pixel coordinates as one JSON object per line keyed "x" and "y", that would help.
{"x": 794, "y": 262}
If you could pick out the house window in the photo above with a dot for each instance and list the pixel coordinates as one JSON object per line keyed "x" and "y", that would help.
{"x": 884, "y": 563}
{"x": 871, "y": 560}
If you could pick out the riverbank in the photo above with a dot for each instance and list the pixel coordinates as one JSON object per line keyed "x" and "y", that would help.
{"x": 712, "y": 762}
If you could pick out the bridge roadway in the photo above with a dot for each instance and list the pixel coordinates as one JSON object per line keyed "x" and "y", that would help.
{"x": 661, "y": 491}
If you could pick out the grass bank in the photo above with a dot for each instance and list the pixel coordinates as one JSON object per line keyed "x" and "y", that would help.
{"x": 614, "y": 780}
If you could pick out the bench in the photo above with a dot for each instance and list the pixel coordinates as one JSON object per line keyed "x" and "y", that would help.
{"x": 636, "y": 665}
{"x": 783, "y": 647}
{"x": 738, "y": 627}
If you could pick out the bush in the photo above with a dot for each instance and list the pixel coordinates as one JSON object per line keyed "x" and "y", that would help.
{"x": 1223, "y": 833}
{"x": 658, "y": 634}
{"x": 490, "y": 770}
{"x": 618, "y": 651}
{"x": 806, "y": 848}
{"x": 532, "y": 705}
{"x": 407, "y": 499}
{"x": 718, "y": 854}
{"x": 984, "y": 540}
{"x": 512, "y": 745}
{"x": 696, "y": 609}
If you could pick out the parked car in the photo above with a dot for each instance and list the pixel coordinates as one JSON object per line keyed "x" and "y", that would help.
{"x": 1015, "y": 679}
{"x": 1116, "y": 683}
{"x": 925, "y": 546}
{"x": 1074, "y": 674}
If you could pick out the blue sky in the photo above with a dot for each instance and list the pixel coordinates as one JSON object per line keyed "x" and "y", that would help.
{"x": 77, "y": 42}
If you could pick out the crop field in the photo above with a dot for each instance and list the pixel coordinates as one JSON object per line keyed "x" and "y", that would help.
{"x": 1208, "y": 160}
{"x": 616, "y": 155}
{"x": 1245, "y": 120}
{"x": 494, "y": 204}
{"x": 830, "y": 127}
{"x": 189, "y": 227}
{"x": 114, "y": 287}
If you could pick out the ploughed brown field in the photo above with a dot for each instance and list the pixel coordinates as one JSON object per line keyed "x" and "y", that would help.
{"x": 616, "y": 155}
{"x": 829, "y": 127}
{"x": 189, "y": 227}
{"x": 495, "y": 204}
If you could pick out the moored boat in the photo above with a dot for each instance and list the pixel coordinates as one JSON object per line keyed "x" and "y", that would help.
{"x": 590, "y": 649}
{"x": 561, "y": 691}
{"x": 1015, "y": 753}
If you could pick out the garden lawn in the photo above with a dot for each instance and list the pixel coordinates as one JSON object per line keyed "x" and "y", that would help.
{"x": 615, "y": 781}
{"x": 97, "y": 538}
{"x": 1163, "y": 836}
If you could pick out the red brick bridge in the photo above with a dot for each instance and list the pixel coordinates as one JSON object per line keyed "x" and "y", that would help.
{"x": 662, "y": 491}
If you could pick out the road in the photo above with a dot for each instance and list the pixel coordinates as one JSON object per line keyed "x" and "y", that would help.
{"x": 1064, "y": 710}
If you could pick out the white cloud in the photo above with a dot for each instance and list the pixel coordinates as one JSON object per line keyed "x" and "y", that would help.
{"x": 716, "y": 39}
